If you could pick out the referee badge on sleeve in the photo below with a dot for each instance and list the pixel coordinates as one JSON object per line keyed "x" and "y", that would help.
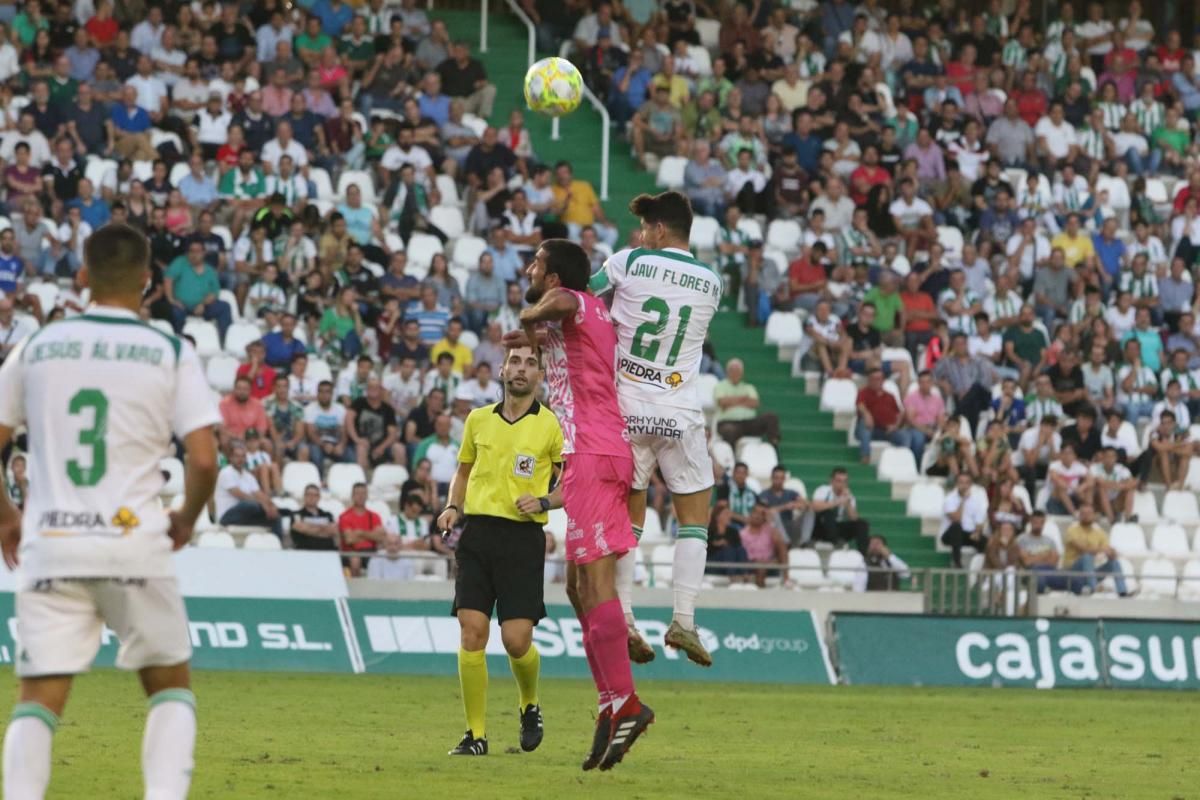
{"x": 523, "y": 466}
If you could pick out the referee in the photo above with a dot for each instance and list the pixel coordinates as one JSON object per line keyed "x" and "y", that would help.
{"x": 510, "y": 454}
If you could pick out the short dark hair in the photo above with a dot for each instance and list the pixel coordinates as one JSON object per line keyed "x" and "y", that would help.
{"x": 357, "y": 486}
{"x": 445, "y": 355}
{"x": 323, "y": 384}
{"x": 778, "y": 468}
{"x": 411, "y": 498}
{"x": 838, "y": 471}
{"x": 742, "y": 464}
{"x": 569, "y": 262}
{"x": 671, "y": 208}
{"x": 117, "y": 258}
{"x": 1050, "y": 419}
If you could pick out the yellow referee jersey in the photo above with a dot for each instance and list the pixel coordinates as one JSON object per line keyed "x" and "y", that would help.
{"x": 509, "y": 459}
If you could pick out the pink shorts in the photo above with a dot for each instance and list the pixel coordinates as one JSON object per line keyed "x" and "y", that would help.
{"x": 595, "y": 494}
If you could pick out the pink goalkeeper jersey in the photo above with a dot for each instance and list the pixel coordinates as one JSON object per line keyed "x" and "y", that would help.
{"x": 581, "y": 357}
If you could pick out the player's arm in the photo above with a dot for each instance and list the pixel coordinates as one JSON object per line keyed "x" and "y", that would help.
{"x": 556, "y": 304}
{"x": 10, "y": 515}
{"x": 200, "y": 478}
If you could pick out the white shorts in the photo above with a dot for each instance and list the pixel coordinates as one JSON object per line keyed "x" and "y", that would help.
{"x": 60, "y": 621}
{"x": 672, "y": 438}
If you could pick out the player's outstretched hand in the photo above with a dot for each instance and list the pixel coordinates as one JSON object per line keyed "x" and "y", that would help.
{"x": 528, "y": 504}
{"x": 516, "y": 338}
{"x": 519, "y": 338}
{"x": 179, "y": 531}
{"x": 10, "y": 535}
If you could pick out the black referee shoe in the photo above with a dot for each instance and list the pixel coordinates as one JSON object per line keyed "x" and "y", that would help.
{"x": 531, "y": 728}
{"x": 470, "y": 746}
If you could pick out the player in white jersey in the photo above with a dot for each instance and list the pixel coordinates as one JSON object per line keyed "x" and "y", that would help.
{"x": 663, "y": 301}
{"x": 101, "y": 395}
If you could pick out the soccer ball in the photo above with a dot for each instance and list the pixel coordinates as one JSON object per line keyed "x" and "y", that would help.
{"x": 554, "y": 87}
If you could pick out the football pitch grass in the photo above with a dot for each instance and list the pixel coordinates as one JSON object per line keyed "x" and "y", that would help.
{"x": 322, "y": 736}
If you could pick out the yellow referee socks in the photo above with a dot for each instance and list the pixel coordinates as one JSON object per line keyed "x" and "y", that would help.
{"x": 473, "y": 679}
{"x": 526, "y": 670}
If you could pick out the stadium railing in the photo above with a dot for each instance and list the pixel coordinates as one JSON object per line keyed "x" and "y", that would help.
{"x": 588, "y": 94}
{"x": 947, "y": 591}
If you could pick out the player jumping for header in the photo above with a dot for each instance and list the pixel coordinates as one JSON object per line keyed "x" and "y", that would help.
{"x": 663, "y": 301}
{"x": 580, "y": 353}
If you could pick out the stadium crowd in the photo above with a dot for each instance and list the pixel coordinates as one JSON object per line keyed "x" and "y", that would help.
{"x": 998, "y": 209}
{"x": 1001, "y": 217}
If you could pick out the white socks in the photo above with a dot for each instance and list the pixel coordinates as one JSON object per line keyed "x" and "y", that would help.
{"x": 27, "y": 744}
{"x": 691, "y": 555}
{"x": 626, "y": 565}
{"x": 168, "y": 743}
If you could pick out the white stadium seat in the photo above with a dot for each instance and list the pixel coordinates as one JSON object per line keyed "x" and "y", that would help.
{"x": 449, "y": 219}
{"x": 705, "y": 384}
{"x": 670, "y": 172}
{"x": 898, "y": 464}
{"x": 805, "y": 568}
{"x": 1157, "y": 577}
{"x": 1128, "y": 539}
{"x": 208, "y": 340}
{"x": 843, "y": 565}
{"x": 46, "y": 293}
{"x": 1181, "y": 507}
{"x": 785, "y": 235}
{"x": 216, "y": 539}
{"x": 925, "y": 500}
{"x": 467, "y": 250}
{"x": 783, "y": 329}
{"x": 239, "y": 335}
{"x": 297, "y": 475}
{"x": 448, "y": 189}
{"x": 235, "y": 310}
{"x": 705, "y": 231}
{"x": 321, "y": 182}
{"x": 1052, "y": 532}
{"x": 318, "y": 369}
{"x": 1146, "y": 508}
{"x": 386, "y": 481}
{"x": 421, "y": 249}
{"x": 261, "y": 541}
{"x": 342, "y": 478}
{"x": 839, "y": 395}
{"x": 1168, "y": 540}
{"x": 1189, "y": 587}
{"x": 797, "y": 486}
{"x": 221, "y": 371}
{"x": 761, "y": 458}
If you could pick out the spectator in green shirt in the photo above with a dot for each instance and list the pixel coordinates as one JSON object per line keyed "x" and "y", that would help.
{"x": 310, "y": 44}
{"x": 738, "y": 414}
{"x": 889, "y": 310}
{"x": 1024, "y": 345}
{"x": 1169, "y": 143}
{"x": 341, "y": 325}
{"x": 193, "y": 289}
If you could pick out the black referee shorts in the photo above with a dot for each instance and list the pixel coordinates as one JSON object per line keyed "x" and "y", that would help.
{"x": 501, "y": 564}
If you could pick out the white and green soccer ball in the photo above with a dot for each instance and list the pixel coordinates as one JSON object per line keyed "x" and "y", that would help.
{"x": 554, "y": 87}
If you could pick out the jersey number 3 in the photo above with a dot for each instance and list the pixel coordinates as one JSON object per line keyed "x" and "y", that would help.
{"x": 647, "y": 336}
{"x": 92, "y": 437}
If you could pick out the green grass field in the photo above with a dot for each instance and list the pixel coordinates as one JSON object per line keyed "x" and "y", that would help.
{"x": 300, "y": 736}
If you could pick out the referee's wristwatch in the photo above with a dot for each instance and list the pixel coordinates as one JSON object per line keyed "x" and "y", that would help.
{"x": 545, "y": 503}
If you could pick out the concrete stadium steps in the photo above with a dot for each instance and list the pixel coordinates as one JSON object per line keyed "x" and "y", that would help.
{"x": 811, "y": 446}
{"x": 579, "y": 142}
